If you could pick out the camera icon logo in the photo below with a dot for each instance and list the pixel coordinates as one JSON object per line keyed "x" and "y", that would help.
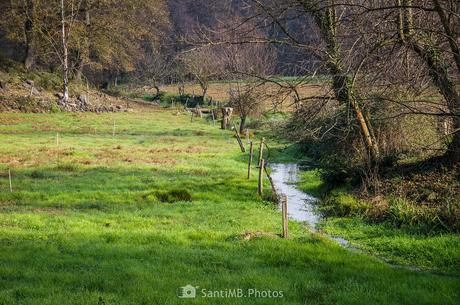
{"x": 187, "y": 292}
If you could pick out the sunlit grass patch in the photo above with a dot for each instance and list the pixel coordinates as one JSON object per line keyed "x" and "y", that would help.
{"x": 131, "y": 217}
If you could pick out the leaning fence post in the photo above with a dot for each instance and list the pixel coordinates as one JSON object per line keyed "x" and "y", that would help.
{"x": 251, "y": 154}
{"x": 272, "y": 184}
{"x": 260, "y": 188}
{"x": 284, "y": 209}
{"x": 9, "y": 178}
{"x": 261, "y": 150}
{"x": 243, "y": 149}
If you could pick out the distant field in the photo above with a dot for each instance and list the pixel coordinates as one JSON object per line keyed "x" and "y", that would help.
{"x": 220, "y": 90}
{"x": 128, "y": 207}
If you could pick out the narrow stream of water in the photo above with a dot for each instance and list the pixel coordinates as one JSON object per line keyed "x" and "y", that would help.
{"x": 301, "y": 206}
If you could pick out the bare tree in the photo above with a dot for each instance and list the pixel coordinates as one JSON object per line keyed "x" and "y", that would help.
{"x": 65, "y": 56}
{"x": 247, "y": 99}
{"x": 429, "y": 46}
{"x": 328, "y": 19}
{"x": 204, "y": 65}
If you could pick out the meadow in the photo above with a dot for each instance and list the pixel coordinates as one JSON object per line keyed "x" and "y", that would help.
{"x": 126, "y": 208}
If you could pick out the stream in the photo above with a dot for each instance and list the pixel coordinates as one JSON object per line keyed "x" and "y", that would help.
{"x": 301, "y": 206}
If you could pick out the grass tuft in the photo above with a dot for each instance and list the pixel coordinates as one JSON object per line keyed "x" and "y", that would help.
{"x": 177, "y": 195}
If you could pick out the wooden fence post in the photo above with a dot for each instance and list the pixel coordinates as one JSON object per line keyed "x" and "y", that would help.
{"x": 243, "y": 149}
{"x": 261, "y": 151}
{"x": 9, "y": 177}
{"x": 57, "y": 148}
{"x": 198, "y": 111}
{"x": 284, "y": 209}
{"x": 260, "y": 188}
{"x": 212, "y": 112}
{"x": 251, "y": 154}
{"x": 272, "y": 184}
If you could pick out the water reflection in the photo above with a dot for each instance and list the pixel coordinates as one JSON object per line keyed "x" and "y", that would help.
{"x": 300, "y": 205}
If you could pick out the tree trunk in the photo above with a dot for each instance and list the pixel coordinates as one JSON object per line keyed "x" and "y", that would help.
{"x": 157, "y": 89}
{"x": 79, "y": 69}
{"x": 83, "y": 52}
{"x": 447, "y": 88}
{"x": 242, "y": 123}
{"x": 451, "y": 37}
{"x": 342, "y": 85}
{"x": 65, "y": 57}
{"x": 29, "y": 58}
{"x": 453, "y": 151}
{"x": 437, "y": 68}
{"x": 205, "y": 90}
{"x": 369, "y": 138}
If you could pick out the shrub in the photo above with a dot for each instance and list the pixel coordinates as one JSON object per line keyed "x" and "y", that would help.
{"x": 54, "y": 107}
{"x": 48, "y": 81}
{"x": 37, "y": 174}
{"x": 342, "y": 204}
{"x": 403, "y": 213}
{"x": 68, "y": 167}
{"x": 174, "y": 196}
{"x": 166, "y": 99}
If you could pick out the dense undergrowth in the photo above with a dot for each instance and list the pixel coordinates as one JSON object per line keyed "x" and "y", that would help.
{"x": 429, "y": 203}
{"x": 400, "y": 233}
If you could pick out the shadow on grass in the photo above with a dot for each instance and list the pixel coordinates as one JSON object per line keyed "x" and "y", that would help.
{"x": 147, "y": 267}
{"x": 102, "y": 188}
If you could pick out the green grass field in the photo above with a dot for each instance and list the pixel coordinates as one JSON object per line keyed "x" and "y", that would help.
{"x": 87, "y": 224}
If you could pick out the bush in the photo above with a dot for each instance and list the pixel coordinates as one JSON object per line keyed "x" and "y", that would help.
{"x": 37, "y": 175}
{"x": 68, "y": 167}
{"x": 342, "y": 204}
{"x": 398, "y": 212}
{"x": 54, "y": 107}
{"x": 174, "y": 196}
{"x": 166, "y": 99}
{"x": 48, "y": 81}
